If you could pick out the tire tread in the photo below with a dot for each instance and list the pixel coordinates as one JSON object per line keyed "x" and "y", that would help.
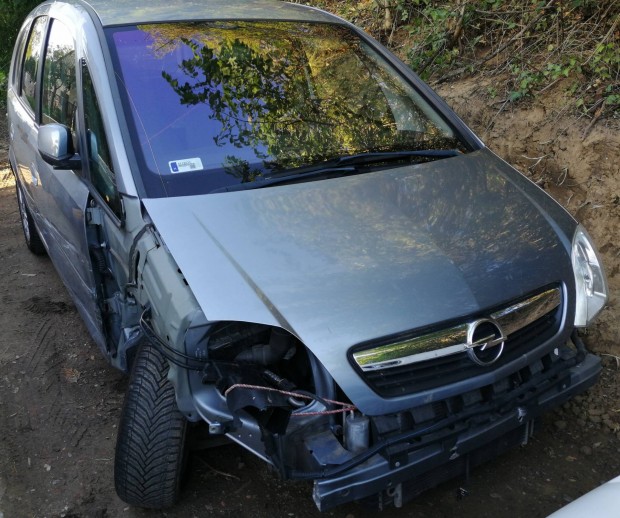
{"x": 34, "y": 242}
{"x": 150, "y": 448}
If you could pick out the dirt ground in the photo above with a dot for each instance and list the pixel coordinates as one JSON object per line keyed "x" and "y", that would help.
{"x": 60, "y": 402}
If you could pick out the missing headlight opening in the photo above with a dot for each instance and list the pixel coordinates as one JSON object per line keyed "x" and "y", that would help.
{"x": 265, "y": 372}
{"x": 260, "y": 385}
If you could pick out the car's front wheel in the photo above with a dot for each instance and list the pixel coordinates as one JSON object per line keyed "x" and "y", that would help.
{"x": 150, "y": 447}
{"x": 31, "y": 234}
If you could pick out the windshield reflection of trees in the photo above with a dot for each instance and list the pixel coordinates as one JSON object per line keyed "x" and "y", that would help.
{"x": 295, "y": 94}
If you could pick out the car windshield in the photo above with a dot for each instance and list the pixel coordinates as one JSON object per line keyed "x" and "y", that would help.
{"x": 217, "y": 104}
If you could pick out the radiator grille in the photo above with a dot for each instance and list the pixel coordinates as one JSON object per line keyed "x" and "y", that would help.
{"x": 444, "y": 370}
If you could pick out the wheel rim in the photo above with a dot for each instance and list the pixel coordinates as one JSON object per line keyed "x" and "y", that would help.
{"x": 23, "y": 212}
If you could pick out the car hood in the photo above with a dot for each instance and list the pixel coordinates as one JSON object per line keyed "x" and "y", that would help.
{"x": 348, "y": 260}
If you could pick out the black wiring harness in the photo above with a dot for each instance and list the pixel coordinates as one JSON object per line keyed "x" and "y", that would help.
{"x": 185, "y": 361}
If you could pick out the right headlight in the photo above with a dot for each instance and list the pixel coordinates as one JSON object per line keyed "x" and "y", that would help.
{"x": 590, "y": 281}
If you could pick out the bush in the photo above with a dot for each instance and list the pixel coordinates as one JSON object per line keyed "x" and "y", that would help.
{"x": 532, "y": 44}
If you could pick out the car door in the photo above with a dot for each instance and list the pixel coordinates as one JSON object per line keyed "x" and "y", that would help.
{"x": 61, "y": 197}
{"x": 23, "y": 108}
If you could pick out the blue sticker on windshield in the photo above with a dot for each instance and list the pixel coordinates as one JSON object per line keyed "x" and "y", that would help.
{"x": 186, "y": 165}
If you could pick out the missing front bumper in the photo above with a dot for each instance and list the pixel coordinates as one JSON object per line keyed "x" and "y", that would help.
{"x": 393, "y": 481}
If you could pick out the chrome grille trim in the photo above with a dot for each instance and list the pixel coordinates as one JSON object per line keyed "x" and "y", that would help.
{"x": 454, "y": 340}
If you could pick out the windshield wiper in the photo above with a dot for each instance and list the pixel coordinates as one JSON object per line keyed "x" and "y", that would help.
{"x": 339, "y": 166}
{"x": 391, "y": 156}
{"x": 287, "y": 177}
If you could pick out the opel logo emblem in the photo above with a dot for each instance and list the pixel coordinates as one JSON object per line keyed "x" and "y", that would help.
{"x": 485, "y": 341}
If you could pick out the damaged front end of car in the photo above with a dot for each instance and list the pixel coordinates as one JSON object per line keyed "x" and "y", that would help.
{"x": 261, "y": 387}
{"x": 374, "y": 379}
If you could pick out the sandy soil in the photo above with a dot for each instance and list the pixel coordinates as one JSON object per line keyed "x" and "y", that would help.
{"x": 60, "y": 402}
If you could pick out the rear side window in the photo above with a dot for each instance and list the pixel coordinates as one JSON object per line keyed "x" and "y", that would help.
{"x": 19, "y": 52}
{"x": 32, "y": 60}
{"x": 59, "y": 99}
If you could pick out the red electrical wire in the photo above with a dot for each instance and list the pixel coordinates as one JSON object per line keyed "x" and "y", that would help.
{"x": 347, "y": 407}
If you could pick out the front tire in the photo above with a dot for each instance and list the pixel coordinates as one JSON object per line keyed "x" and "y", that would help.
{"x": 31, "y": 234}
{"x": 150, "y": 447}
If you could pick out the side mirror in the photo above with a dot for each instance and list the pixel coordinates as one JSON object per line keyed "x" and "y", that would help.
{"x": 55, "y": 145}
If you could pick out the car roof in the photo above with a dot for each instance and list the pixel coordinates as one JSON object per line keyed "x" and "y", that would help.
{"x": 127, "y": 12}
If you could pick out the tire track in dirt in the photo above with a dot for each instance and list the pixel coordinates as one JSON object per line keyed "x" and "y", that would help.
{"x": 39, "y": 344}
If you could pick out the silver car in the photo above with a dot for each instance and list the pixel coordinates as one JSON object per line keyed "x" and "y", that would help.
{"x": 289, "y": 240}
